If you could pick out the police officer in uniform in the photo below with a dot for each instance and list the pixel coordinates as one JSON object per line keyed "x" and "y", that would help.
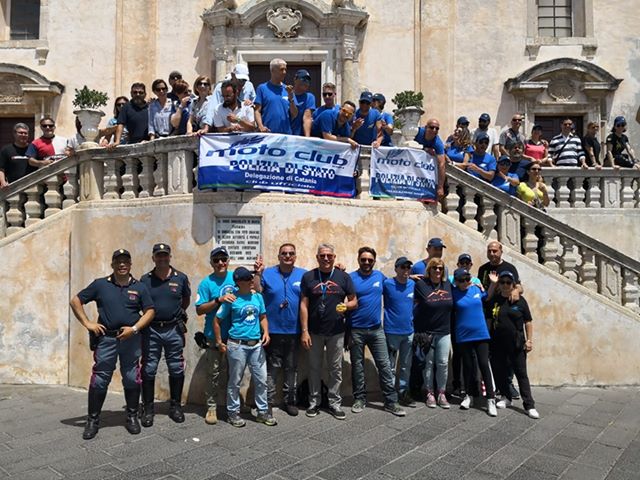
{"x": 120, "y": 299}
{"x": 170, "y": 291}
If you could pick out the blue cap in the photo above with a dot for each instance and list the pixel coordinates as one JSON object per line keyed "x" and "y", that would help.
{"x": 120, "y": 252}
{"x": 504, "y": 159}
{"x": 242, "y": 274}
{"x": 219, "y": 251}
{"x": 403, "y": 261}
{"x": 461, "y": 273}
{"x": 463, "y": 121}
{"x": 464, "y": 257}
{"x": 366, "y": 97}
{"x": 482, "y": 136}
{"x": 302, "y": 74}
{"x": 485, "y": 117}
{"x": 507, "y": 273}
{"x": 161, "y": 248}
{"x": 436, "y": 242}
{"x": 619, "y": 119}
{"x": 379, "y": 97}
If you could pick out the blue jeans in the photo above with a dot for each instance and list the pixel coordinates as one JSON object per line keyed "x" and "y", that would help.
{"x": 375, "y": 340}
{"x": 400, "y": 346}
{"x": 438, "y": 354}
{"x": 239, "y": 356}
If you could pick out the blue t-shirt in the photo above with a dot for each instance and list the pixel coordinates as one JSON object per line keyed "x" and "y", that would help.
{"x": 470, "y": 324}
{"x": 118, "y": 306}
{"x": 386, "y": 138}
{"x": 486, "y": 162}
{"x": 274, "y": 102}
{"x": 435, "y": 142}
{"x": 420, "y": 268}
{"x": 324, "y": 108}
{"x": 243, "y": 315}
{"x": 369, "y": 293}
{"x": 504, "y": 184}
{"x": 167, "y": 293}
{"x": 186, "y": 117}
{"x": 281, "y": 294}
{"x": 456, "y": 153}
{"x": 328, "y": 122}
{"x": 520, "y": 168}
{"x": 210, "y": 288}
{"x": 398, "y": 306}
{"x": 368, "y": 132}
{"x": 304, "y": 101}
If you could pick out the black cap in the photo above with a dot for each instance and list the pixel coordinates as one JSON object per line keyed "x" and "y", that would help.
{"x": 461, "y": 273}
{"x": 403, "y": 261}
{"x": 379, "y": 97}
{"x": 482, "y": 136}
{"x": 242, "y": 274}
{"x": 161, "y": 248}
{"x": 507, "y": 273}
{"x": 464, "y": 257}
{"x": 120, "y": 252}
{"x": 485, "y": 117}
{"x": 366, "y": 97}
{"x": 302, "y": 74}
{"x": 463, "y": 121}
{"x": 436, "y": 242}
{"x": 219, "y": 251}
{"x": 175, "y": 74}
{"x": 504, "y": 159}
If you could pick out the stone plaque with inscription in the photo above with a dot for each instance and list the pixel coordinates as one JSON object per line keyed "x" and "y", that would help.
{"x": 242, "y": 236}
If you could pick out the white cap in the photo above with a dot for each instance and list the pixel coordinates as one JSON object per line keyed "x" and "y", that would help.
{"x": 241, "y": 71}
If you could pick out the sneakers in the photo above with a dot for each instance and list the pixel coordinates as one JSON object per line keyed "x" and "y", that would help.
{"x": 467, "y": 402}
{"x": 211, "y": 418}
{"x": 406, "y": 400}
{"x": 234, "y": 419}
{"x": 442, "y": 400}
{"x": 337, "y": 412}
{"x": 291, "y": 410}
{"x": 312, "y": 411}
{"x": 515, "y": 394}
{"x": 491, "y": 407}
{"x": 504, "y": 402}
{"x": 533, "y": 413}
{"x": 431, "y": 400}
{"x": 395, "y": 409}
{"x": 358, "y": 406}
{"x": 266, "y": 418}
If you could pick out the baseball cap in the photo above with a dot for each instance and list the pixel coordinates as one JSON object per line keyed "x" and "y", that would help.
{"x": 161, "y": 248}
{"x": 504, "y": 159}
{"x": 507, "y": 273}
{"x": 366, "y": 97}
{"x": 241, "y": 71}
{"x": 436, "y": 242}
{"x": 379, "y": 97}
{"x": 175, "y": 74}
{"x": 619, "y": 119}
{"x": 481, "y": 136}
{"x": 485, "y": 117}
{"x": 219, "y": 251}
{"x": 403, "y": 261}
{"x": 302, "y": 74}
{"x": 463, "y": 121}
{"x": 461, "y": 273}
{"x": 120, "y": 252}
{"x": 242, "y": 274}
{"x": 464, "y": 257}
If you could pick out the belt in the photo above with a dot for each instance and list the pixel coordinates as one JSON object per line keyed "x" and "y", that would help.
{"x": 112, "y": 333}
{"x": 248, "y": 343}
{"x": 369, "y": 329}
{"x": 163, "y": 324}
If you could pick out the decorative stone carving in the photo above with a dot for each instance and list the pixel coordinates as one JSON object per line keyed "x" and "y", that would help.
{"x": 561, "y": 89}
{"x": 344, "y": 4}
{"x": 221, "y": 53}
{"x": 284, "y": 21}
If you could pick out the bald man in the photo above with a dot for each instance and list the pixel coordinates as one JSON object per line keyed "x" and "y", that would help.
{"x": 432, "y": 144}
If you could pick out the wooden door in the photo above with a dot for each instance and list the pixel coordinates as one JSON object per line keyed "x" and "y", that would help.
{"x": 552, "y": 125}
{"x": 6, "y": 128}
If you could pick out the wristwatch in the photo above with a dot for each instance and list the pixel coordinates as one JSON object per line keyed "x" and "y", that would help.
{"x": 135, "y": 330}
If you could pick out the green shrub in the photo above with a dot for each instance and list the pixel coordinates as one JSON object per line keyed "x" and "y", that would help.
{"x": 87, "y": 98}
{"x": 408, "y": 98}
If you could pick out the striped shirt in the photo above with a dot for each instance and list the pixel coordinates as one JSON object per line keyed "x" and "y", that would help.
{"x": 569, "y": 155}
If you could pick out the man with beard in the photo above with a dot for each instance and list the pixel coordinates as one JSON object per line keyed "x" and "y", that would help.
{"x": 231, "y": 115}
{"x": 14, "y": 163}
{"x": 334, "y": 124}
{"x": 134, "y": 116}
{"x": 367, "y": 124}
{"x": 305, "y": 102}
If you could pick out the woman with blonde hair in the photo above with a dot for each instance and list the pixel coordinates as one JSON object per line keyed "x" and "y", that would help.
{"x": 460, "y": 149}
{"x": 202, "y": 87}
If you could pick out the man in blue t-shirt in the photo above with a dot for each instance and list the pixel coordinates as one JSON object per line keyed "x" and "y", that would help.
{"x": 213, "y": 291}
{"x": 334, "y": 124}
{"x": 482, "y": 164}
{"x": 275, "y": 103}
{"x": 280, "y": 288}
{"x": 365, "y": 329}
{"x": 398, "y": 326}
{"x": 435, "y": 249}
{"x": 386, "y": 122}
{"x": 427, "y": 136}
{"x": 120, "y": 298}
{"x": 305, "y": 103}
{"x": 329, "y": 99}
{"x": 504, "y": 179}
{"x": 519, "y": 164}
{"x": 366, "y": 127}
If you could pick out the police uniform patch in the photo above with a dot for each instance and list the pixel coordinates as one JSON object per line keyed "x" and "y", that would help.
{"x": 133, "y": 295}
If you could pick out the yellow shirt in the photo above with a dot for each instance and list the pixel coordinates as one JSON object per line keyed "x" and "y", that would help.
{"x": 528, "y": 195}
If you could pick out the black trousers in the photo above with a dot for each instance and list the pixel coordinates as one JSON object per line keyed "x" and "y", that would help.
{"x": 481, "y": 350}
{"x": 505, "y": 357}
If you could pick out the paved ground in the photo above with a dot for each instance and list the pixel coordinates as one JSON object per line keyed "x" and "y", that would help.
{"x": 583, "y": 434}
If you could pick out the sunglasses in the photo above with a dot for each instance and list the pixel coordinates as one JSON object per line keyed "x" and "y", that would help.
{"x": 288, "y": 254}
{"x": 438, "y": 269}
{"x": 516, "y": 120}
{"x": 161, "y": 89}
{"x": 621, "y": 125}
{"x": 433, "y": 127}
{"x": 120, "y": 105}
{"x": 535, "y": 169}
{"x": 204, "y": 84}
{"x": 567, "y": 124}
{"x": 328, "y": 256}
{"x": 346, "y": 113}
{"x": 138, "y": 92}
{"x": 48, "y": 125}
{"x": 327, "y": 94}
{"x": 463, "y": 279}
{"x": 506, "y": 282}
{"x": 220, "y": 260}
{"x": 366, "y": 260}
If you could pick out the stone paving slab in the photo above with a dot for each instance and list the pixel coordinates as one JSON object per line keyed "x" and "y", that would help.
{"x": 584, "y": 433}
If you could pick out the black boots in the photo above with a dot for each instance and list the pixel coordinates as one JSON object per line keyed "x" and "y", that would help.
{"x": 175, "y": 407}
{"x": 132, "y": 397}
{"x": 148, "y": 391}
{"x": 95, "y": 402}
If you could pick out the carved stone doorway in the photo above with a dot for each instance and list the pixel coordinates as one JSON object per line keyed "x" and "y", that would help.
{"x": 6, "y": 128}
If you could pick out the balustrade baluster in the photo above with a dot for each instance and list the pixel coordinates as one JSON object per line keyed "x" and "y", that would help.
{"x": 15, "y": 213}
{"x": 563, "y": 194}
{"x": 627, "y": 194}
{"x": 52, "y": 197}
{"x": 594, "y": 194}
{"x": 488, "y": 218}
{"x": 588, "y": 270}
{"x": 111, "y": 174}
{"x": 630, "y": 292}
{"x": 33, "y": 207}
{"x": 578, "y": 193}
{"x": 469, "y": 208}
{"x": 128, "y": 182}
{"x": 550, "y": 250}
{"x": 146, "y": 177}
{"x": 530, "y": 240}
{"x": 452, "y": 200}
{"x": 552, "y": 193}
{"x": 191, "y": 159}
{"x": 70, "y": 188}
{"x": 160, "y": 176}
{"x": 568, "y": 259}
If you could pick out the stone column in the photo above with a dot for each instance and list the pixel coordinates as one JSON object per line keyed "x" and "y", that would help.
{"x": 91, "y": 180}
{"x": 350, "y": 77}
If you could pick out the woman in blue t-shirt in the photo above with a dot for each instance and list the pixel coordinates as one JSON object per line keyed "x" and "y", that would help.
{"x": 472, "y": 336}
{"x": 460, "y": 150}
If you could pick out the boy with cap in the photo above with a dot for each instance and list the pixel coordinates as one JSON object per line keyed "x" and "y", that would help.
{"x": 398, "y": 326}
{"x": 214, "y": 291}
{"x": 386, "y": 119}
{"x": 306, "y": 103}
{"x": 435, "y": 249}
{"x": 120, "y": 298}
{"x": 504, "y": 179}
{"x": 248, "y": 334}
{"x": 366, "y": 128}
{"x": 170, "y": 291}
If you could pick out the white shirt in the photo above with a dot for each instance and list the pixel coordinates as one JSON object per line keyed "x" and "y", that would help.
{"x": 242, "y": 112}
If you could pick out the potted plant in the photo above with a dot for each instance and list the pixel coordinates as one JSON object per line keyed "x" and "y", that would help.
{"x": 408, "y": 113}
{"x": 88, "y": 103}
